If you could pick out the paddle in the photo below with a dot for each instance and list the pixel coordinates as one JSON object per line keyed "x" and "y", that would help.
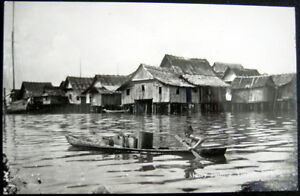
{"x": 189, "y": 147}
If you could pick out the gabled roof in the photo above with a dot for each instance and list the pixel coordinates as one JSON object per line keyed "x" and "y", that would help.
{"x": 192, "y": 66}
{"x": 244, "y": 72}
{"x": 166, "y": 76}
{"x": 283, "y": 79}
{"x": 200, "y": 80}
{"x": 221, "y": 67}
{"x": 78, "y": 83}
{"x": 35, "y": 88}
{"x": 252, "y": 82}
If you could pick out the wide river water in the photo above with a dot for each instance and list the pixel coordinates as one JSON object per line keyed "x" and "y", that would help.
{"x": 261, "y": 153}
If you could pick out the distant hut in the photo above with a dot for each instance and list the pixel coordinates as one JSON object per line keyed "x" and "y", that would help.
{"x": 54, "y": 96}
{"x": 220, "y": 68}
{"x": 286, "y": 91}
{"x": 74, "y": 87}
{"x": 15, "y": 95}
{"x": 157, "y": 90}
{"x": 102, "y": 92}
{"x": 211, "y": 89}
{"x": 33, "y": 91}
{"x": 253, "y": 93}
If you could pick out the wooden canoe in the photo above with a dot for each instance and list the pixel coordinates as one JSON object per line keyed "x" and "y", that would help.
{"x": 101, "y": 146}
{"x": 115, "y": 111}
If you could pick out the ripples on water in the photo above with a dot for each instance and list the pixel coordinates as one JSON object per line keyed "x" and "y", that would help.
{"x": 260, "y": 147}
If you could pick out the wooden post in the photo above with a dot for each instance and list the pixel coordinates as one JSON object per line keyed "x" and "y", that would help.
{"x": 169, "y": 108}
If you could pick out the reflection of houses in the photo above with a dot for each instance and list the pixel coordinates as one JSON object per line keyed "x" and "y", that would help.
{"x": 157, "y": 90}
{"x": 211, "y": 89}
{"x": 253, "y": 93}
{"x": 102, "y": 91}
{"x": 54, "y": 96}
{"x": 286, "y": 91}
{"x": 74, "y": 86}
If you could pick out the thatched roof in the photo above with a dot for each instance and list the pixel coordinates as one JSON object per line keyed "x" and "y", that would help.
{"x": 200, "y": 80}
{"x": 252, "y": 82}
{"x": 220, "y": 68}
{"x": 192, "y": 66}
{"x": 34, "y": 89}
{"x": 283, "y": 79}
{"x": 244, "y": 72}
{"x": 53, "y": 91}
{"x": 166, "y": 76}
{"x": 102, "y": 91}
{"x": 110, "y": 82}
{"x": 78, "y": 83}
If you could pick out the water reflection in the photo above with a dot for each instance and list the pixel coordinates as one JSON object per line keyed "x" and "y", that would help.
{"x": 260, "y": 146}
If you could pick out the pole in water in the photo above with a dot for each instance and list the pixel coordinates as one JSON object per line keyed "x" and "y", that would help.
{"x": 12, "y": 44}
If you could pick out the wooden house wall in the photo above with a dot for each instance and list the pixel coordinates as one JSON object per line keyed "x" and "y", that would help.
{"x": 75, "y": 97}
{"x": 177, "y": 98}
{"x": 287, "y": 92}
{"x": 211, "y": 94}
{"x": 255, "y": 95}
{"x": 151, "y": 91}
{"x": 54, "y": 100}
{"x": 96, "y": 99}
{"x": 111, "y": 99}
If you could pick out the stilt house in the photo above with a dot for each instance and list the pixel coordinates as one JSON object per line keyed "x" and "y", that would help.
{"x": 34, "y": 91}
{"x": 54, "y": 96}
{"x": 286, "y": 91}
{"x": 102, "y": 92}
{"x": 74, "y": 87}
{"x": 157, "y": 90}
{"x": 253, "y": 93}
{"x": 211, "y": 89}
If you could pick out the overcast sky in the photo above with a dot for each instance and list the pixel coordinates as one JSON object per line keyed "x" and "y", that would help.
{"x": 52, "y": 38}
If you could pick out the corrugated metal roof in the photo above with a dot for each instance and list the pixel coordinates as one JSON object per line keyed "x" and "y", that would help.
{"x": 79, "y": 83}
{"x": 251, "y": 82}
{"x": 283, "y": 79}
{"x": 200, "y": 80}
{"x": 193, "y": 66}
{"x": 35, "y": 88}
{"x": 166, "y": 76}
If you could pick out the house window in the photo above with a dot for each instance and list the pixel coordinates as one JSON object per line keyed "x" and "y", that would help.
{"x": 70, "y": 96}
{"x": 46, "y": 98}
{"x": 159, "y": 90}
{"x": 77, "y": 97}
{"x": 177, "y": 91}
{"x": 127, "y": 91}
{"x": 143, "y": 88}
{"x": 195, "y": 90}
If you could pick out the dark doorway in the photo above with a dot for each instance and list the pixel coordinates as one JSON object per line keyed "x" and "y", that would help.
{"x": 143, "y": 106}
{"x": 188, "y": 95}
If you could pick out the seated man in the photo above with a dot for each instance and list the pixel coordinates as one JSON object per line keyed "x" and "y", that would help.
{"x": 192, "y": 140}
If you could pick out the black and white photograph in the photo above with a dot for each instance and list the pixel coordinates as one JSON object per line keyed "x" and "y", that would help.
{"x": 143, "y": 97}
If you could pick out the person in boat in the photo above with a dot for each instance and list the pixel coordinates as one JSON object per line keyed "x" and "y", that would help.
{"x": 192, "y": 140}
